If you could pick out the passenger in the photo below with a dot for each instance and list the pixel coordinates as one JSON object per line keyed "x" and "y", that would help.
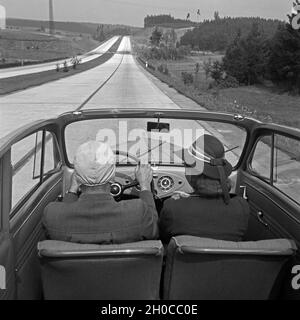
{"x": 210, "y": 211}
{"x": 94, "y": 216}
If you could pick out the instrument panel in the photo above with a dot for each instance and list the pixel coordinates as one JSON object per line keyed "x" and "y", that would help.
{"x": 166, "y": 180}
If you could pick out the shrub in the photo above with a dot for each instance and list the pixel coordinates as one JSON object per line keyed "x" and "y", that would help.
{"x": 150, "y": 66}
{"x": 164, "y": 52}
{"x": 228, "y": 82}
{"x": 216, "y": 70}
{"x": 66, "y": 68}
{"x": 207, "y": 66}
{"x": 163, "y": 69}
{"x": 187, "y": 78}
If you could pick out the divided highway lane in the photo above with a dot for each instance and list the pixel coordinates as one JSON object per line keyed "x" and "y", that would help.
{"x": 128, "y": 87}
{"x": 94, "y": 54}
{"x": 53, "y": 98}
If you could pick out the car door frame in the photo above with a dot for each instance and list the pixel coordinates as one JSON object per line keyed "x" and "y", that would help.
{"x": 11, "y": 227}
{"x": 283, "y": 220}
{"x": 7, "y": 290}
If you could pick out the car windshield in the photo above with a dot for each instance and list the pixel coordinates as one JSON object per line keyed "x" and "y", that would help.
{"x": 156, "y": 141}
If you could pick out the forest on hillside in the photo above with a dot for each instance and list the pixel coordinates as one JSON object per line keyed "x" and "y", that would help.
{"x": 216, "y": 35}
{"x": 167, "y": 21}
{"x": 255, "y": 50}
{"x": 72, "y": 27}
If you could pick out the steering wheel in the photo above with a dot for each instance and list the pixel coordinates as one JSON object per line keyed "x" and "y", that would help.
{"x": 116, "y": 188}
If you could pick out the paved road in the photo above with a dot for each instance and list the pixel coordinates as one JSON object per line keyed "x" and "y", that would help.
{"x": 130, "y": 87}
{"x": 94, "y": 54}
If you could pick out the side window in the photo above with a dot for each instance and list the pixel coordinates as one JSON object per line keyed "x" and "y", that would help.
{"x": 27, "y": 158}
{"x": 276, "y": 159}
{"x": 50, "y": 163}
{"x": 286, "y": 174}
{"x": 261, "y": 159}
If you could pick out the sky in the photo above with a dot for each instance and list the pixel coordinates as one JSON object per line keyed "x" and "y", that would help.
{"x": 132, "y": 12}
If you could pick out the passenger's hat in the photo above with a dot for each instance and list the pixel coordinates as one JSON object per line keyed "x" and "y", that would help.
{"x": 207, "y": 156}
{"x": 94, "y": 163}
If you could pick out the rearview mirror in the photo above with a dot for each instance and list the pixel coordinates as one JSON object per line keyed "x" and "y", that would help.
{"x": 158, "y": 127}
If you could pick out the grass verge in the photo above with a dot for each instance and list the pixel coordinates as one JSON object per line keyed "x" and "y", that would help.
{"x": 260, "y": 103}
{"x": 18, "y": 83}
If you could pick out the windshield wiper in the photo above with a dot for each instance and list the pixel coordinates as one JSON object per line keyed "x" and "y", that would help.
{"x": 229, "y": 150}
{"x": 150, "y": 150}
{"x": 147, "y": 152}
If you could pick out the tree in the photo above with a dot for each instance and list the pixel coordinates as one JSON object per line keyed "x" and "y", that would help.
{"x": 207, "y": 66}
{"x": 234, "y": 60}
{"x": 197, "y": 68}
{"x": 284, "y": 59}
{"x": 99, "y": 35}
{"x": 170, "y": 37}
{"x": 245, "y": 58}
{"x": 216, "y": 15}
{"x": 255, "y": 53}
{"x": 217, "y": 70}
{"x": 156, "y": 37}
{"x": 173, "y": 36}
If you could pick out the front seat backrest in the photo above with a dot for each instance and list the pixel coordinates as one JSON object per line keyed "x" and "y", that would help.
{"x": 73, "y": 271}
{"x": 200, "y": 268}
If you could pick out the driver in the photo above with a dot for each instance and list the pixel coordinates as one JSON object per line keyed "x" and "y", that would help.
{"x": 210, "y": 211}
{"x": 94, "y": 216}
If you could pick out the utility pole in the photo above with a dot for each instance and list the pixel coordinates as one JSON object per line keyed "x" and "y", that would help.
{"x": 51, "y": 17}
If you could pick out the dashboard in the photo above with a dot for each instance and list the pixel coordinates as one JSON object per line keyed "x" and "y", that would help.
{"x": 166, "y": 179}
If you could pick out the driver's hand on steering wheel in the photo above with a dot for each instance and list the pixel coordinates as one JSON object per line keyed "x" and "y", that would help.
{"x": 144, "y": 176}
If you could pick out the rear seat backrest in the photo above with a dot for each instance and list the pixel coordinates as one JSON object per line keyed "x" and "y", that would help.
{"x": 101, "y": 272}
{"x": 200, "y": 268}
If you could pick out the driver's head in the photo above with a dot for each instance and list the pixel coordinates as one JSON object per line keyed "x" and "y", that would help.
{"x": 94, "y": 164}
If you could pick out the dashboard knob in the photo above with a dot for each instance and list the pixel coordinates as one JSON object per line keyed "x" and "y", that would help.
{"x": 165, "y": 183}
{"x": 115, "y": 189}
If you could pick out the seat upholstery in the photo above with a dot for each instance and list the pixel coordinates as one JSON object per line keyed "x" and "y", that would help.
{"x": 73, "y": 271}
{"x": 207, "y": 269}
